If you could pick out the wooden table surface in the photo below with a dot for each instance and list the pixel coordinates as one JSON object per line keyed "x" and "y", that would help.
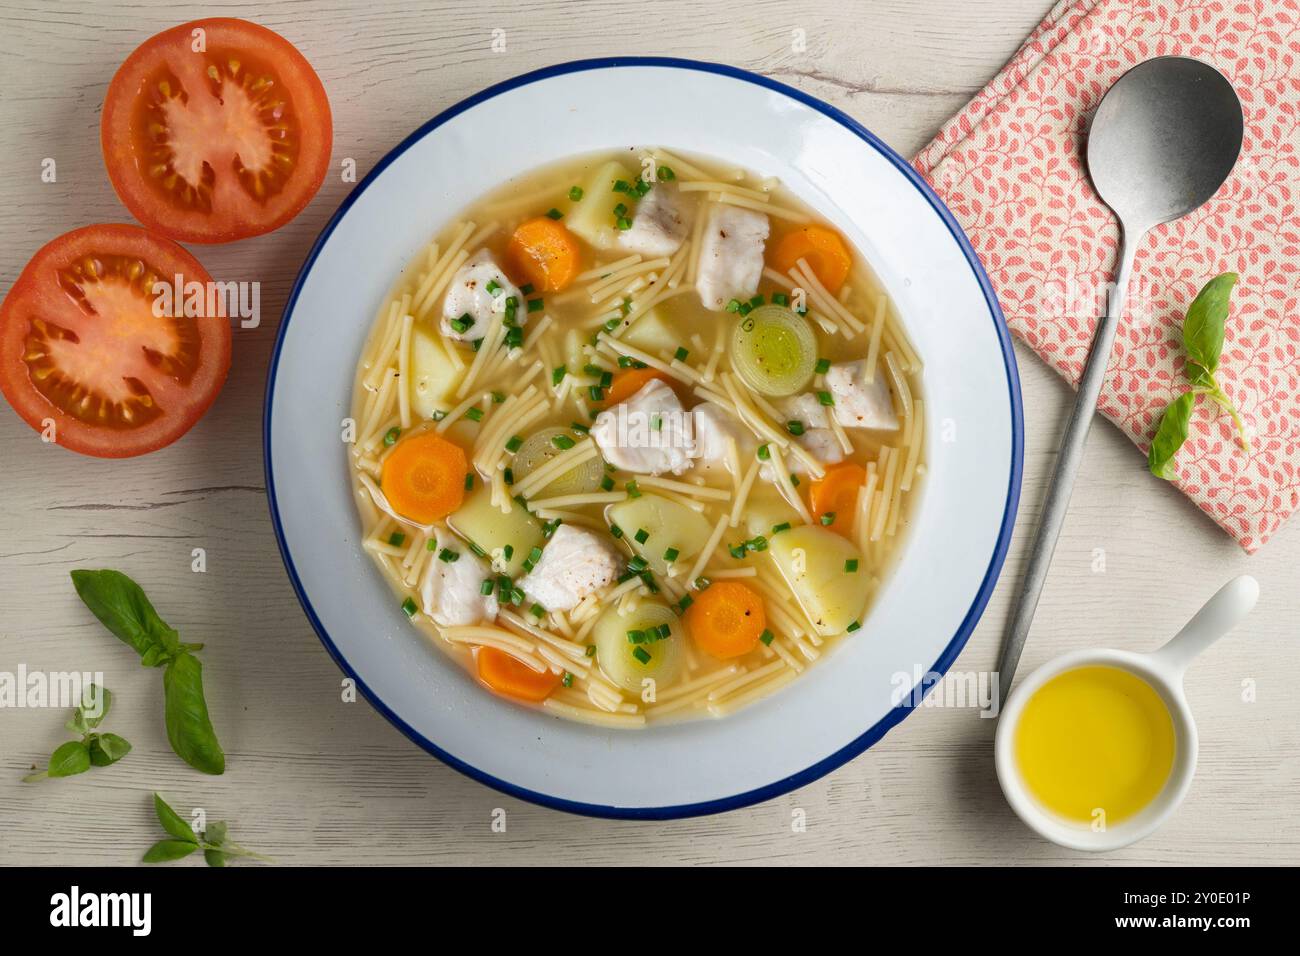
{"x": 312, "y": 779}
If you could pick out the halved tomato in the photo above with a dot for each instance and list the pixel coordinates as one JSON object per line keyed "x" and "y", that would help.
{"x": 90, "y": 345}
{"x": 216, "y": 130}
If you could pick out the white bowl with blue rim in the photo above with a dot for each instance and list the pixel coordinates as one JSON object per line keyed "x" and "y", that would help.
{"x": 950, "y": 557}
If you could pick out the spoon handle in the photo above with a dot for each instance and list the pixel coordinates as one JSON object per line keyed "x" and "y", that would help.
{"x": 1068, "y": 460}
{"x": 1221, "y": 613}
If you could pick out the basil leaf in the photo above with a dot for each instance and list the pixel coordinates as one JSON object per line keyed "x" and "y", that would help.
{"x": 1170, "y": 435}
{"x": 108, "y": 749}
{"x": 165, "y": 850}
{"x": 189, "y": 729}
{"x": 93, "y": 699}
{"x": 1204, "y": 325}
{"x": 121, "y": 606}
{"x": 216, "y": 833}
{"x": 215, "y": 857}
{"x": 172, "y": 822}
{"x": 68, "y": 759}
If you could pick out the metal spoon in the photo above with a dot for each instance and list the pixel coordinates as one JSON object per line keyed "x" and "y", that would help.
{"x": 1164, "y": 139}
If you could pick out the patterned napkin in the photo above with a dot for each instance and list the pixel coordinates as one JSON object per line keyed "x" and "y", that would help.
{"x": 1010, "y": 167}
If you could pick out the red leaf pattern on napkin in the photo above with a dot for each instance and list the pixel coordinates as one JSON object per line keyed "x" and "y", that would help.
{"x": 1010, "y": 167}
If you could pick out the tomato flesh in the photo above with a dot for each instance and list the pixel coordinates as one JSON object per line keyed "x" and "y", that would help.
{"x": 85, "y": 345}
{"x": 216, "y": 144}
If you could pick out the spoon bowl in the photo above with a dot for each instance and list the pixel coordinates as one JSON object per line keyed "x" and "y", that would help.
{"x": 1163, "y": 140}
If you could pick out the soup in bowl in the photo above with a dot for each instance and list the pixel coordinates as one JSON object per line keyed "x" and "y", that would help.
{"x": 636, "y": 437}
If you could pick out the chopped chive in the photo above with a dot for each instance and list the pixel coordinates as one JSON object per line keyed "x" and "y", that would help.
{"x": 745, "y": 308}
{"x": 764, "y": 453}
{"x": 757, "y": 544}
{"x": 778, "y": 528}
{"x": 508, "y": 476}
{"x": 825, "y": 398}
{"x": 637, "y": 564}
{"x": 432, "y": 544}
{"x": 548, "y": 529}
{"x": 567, "y": 679}
{"x": 459, "y": 326}
{"x": 681, "y": 354}
{"x": 624, "y": 361}
{"x": 390, "y": 436}
{"x": 664, "y": 631}
{"x": 671, "y": 554}
{"x": 611, "y": 324}
{"x": 535, "y": 305}
{"x": 554, "y": 213}
{"x": 780, "y": 298}
{"x": 794, "y": 480}
{"x": 642, "y": 187}
{"x": 409, "y": 606}
{"x": 620, "y": 210}
{"x": 828, "y": 518}
{"x": 701, "y": 583}
{"x": 396, "y": 539}
{"x": 575, "y": 193}
{"x": 648, "y": 580}
{"x": 527, "y": 288}
{"x": 794, "y": 427}
{"x": 563, "y": 442}
{"x": 642, "y": 535}
{"x": 756, "y": 301}
{"x": 665, "y": 173}
{"x": 591, "y": 650}
{"x": 733, "y": 305}
{"x": 616, "y": 531}
{"x": 737, "y": 551}
{"x": 851, "y": 565}
{"x": 590, "y": 369}
{"x": 853, "y": 627}
{"x": 498, "y": 398}
{"x": 476, "y": 344}
{"x": 636, "y": 637}
{"x": 632, "y": 490}
{"x": 685, "y": 602}
{"x": 621, "y": 185}
{"x": 474, "y": 414}
{"x": 596, "y": 392}
{"x": 448, "y": 555}
{"x": 624, "y": 223}
{"x": 606, "y": 483}
{"x": 537, "y": 611}
{"x": 558, "y": 373}
{"x": 823, "y": 366}
{"x": 469, "y": 481}
{"x": 535, "y": 555}
{"x": 517, "y": 596}
{"x": 580, "y": 428}
{"x": 503, "y": 587}
{"x": 486, "y": 587}
{"x": 473, "y": 547}
{"x": 514, "y": 338}
{"x": 439, "y": 414}
{"x": 512, "y": 445}
{"x": 767, "y": 637}
{"x": 606, "y": 379}
{"x": 656, "y": 422}
{"x": 508, "y": 551}
{"x": 493, "y": 287}
{"x": 642, "y": 655}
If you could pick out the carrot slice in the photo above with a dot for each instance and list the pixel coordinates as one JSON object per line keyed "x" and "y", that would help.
{"x": 630, "y": 381}
{"x": 543, "y": 253}
{"x": 726, "y": 619}
{"x": 424, "y": 477}
{"x": 513, "y": 678}
{"x": 836, "y": 492}
{"x": 824, "y": 250}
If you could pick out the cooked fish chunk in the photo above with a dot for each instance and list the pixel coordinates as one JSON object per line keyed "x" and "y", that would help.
{"x": 659, "y": 224}
{"x": 574, "y": 563}
{"x": 714, "y": 425}
{"x": 478, "y": 289}
{"x": 650, "y": 433}
{"x": 731, "y": 255}
{"x": 857, "y": 404}
{"x": 450, "y": 590}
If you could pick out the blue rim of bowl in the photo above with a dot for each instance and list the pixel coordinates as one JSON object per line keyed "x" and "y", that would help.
{"x": 877, "y": 730}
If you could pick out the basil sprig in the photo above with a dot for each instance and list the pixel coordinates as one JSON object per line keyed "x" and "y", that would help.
{"x": 92, "y": 749}
{"x": 1203, "y": 332}
{"x": 182, "y": 840}
{"x": 122, "y": 607}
